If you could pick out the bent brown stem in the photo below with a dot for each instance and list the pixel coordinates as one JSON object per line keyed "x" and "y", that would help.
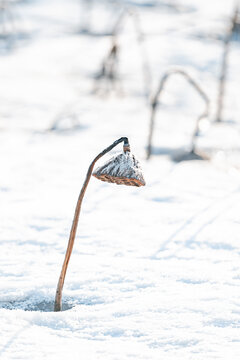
{"x": 156, "y": 97}
{"x": 58, "y": 297}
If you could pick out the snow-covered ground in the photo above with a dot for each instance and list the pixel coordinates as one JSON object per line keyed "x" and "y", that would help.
{"x": 155, "y": 271}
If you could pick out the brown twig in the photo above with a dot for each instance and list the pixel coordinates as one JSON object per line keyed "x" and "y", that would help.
{"x": 58, "y": 297}
{"x": 156, "y": 97}
{"x": 224, "y": 66}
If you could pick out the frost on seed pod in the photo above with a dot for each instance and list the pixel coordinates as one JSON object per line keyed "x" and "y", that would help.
{"x": 122, "y": 169}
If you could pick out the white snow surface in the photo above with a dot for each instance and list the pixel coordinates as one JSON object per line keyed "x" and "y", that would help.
{"x": 154, "y": 272}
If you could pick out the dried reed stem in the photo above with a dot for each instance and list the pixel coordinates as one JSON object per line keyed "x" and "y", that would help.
{"x": 156, "y": 97}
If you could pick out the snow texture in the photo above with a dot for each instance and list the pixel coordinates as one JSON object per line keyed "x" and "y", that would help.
{"x": 155, "y": 270}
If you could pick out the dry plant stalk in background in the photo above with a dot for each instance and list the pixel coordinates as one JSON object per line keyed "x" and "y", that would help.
{"x": 108, "y": 69}
{"x": 108, "y": 72}
{"x": 157, "y": 95}
{"x": 222, "y": 79}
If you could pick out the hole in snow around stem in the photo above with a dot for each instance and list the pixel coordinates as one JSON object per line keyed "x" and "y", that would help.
{"x": 28, "y": 305}
{"x": 34, "y": 304}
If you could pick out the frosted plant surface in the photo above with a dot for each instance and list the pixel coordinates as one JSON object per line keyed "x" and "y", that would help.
{"x": 122, "y": 166}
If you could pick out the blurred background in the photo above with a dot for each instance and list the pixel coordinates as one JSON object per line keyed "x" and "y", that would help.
{"x": 57, "y": 68}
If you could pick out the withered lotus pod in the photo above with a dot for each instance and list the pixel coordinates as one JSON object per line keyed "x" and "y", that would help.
{"x": 123, "y": 169}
